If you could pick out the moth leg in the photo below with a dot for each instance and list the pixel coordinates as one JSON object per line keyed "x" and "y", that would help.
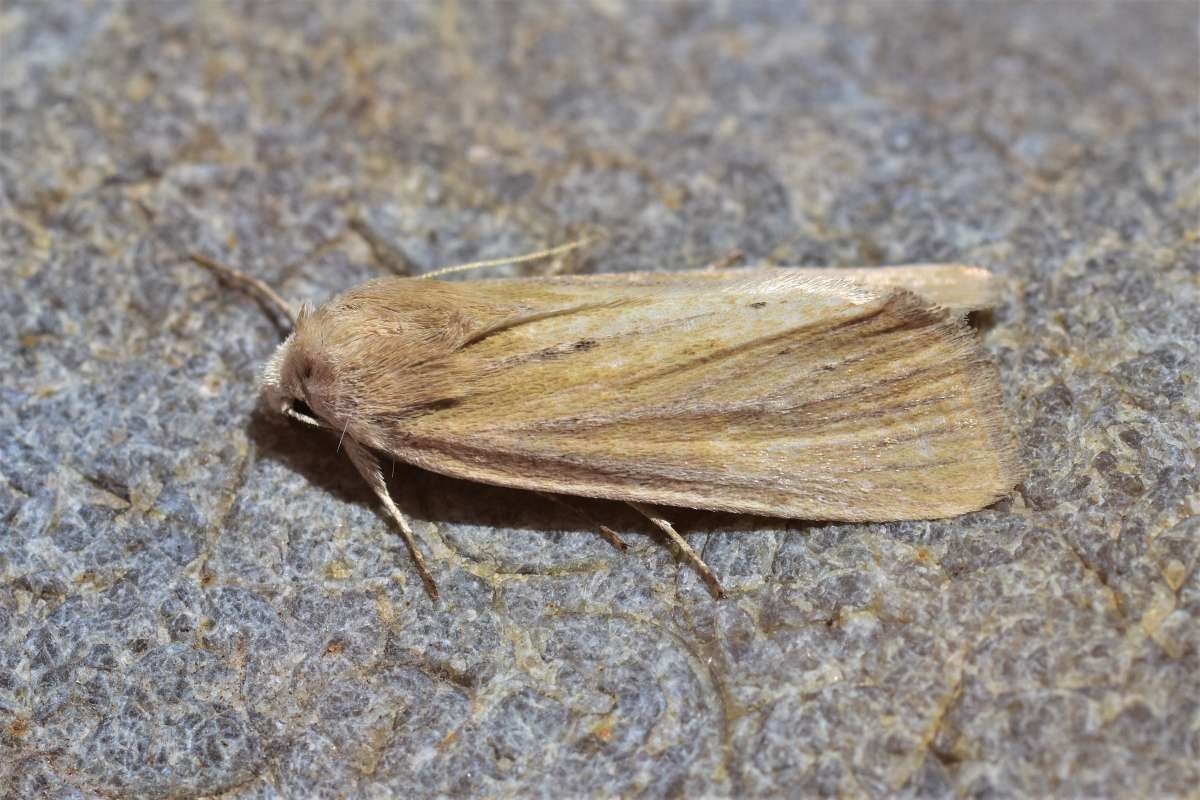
{"x": 611, "y": 536}
{"x": 368, "y": 467}
{"x": 691, "y": 555}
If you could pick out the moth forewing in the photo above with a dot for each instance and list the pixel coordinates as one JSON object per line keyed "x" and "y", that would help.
{"x": 767, "y": 391}
{"x": 958, "y": 287}
{"x": 785, "y": 395}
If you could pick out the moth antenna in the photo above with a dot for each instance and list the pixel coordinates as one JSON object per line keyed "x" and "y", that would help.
{"x": 691, "y": 555}
{"x": 730, "y": 259}
{"x": 387, "y": 253}
{"x": 495, "y": 262}
{"x": 368, "y": 467}
{"x": 611, "y": 536}
{"x": 254, "y": 286}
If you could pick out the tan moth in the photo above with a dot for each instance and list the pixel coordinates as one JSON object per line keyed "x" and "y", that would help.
{"x": 858, "y": 395}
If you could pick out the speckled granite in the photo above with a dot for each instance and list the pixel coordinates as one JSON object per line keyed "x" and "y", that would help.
{"x": 195, "y": 600}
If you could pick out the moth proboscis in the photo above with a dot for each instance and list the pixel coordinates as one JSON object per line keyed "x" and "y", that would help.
{"x": 825, "y": 394}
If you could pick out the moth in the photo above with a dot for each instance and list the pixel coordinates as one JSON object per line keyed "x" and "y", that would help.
{"x": 857, "y": 395}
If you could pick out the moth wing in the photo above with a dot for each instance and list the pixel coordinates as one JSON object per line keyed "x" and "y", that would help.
{"x": 777, "y": 394}
{"x": 960, "y": 287}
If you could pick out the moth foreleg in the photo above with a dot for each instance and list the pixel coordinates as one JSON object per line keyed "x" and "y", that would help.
{"x": 685, "y": 548}
{"x": 368, "y": 467}
{"x": 611, "y": 536}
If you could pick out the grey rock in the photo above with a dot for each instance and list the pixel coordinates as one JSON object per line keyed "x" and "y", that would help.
{"x": 196, "y": 600}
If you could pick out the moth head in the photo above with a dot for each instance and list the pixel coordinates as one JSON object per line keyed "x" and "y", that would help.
{"x": 285, "y": 385}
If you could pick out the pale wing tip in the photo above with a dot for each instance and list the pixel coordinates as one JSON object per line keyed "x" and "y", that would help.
{"x": 960, "y": 287}
{"x": 971, "y": 288}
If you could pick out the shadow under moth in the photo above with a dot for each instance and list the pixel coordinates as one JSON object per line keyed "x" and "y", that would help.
{"x": 817, "y": 394}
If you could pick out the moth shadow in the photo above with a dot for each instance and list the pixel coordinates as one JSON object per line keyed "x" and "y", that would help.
{"x": 467, "y": 514}
{"x": 536, "y": 519}
{"x": 428, "y": 495}
{"x": 442, "y": 499}
{"x": 310, "y": 453}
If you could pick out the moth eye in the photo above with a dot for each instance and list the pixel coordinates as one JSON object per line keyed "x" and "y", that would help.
{"x": 301, "y": 407}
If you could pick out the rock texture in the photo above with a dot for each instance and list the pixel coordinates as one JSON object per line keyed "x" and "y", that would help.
{"x": 196, "y": 600}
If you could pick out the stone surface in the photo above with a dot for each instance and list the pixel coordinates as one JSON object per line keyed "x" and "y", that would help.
{"x": 195, "y": 600}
